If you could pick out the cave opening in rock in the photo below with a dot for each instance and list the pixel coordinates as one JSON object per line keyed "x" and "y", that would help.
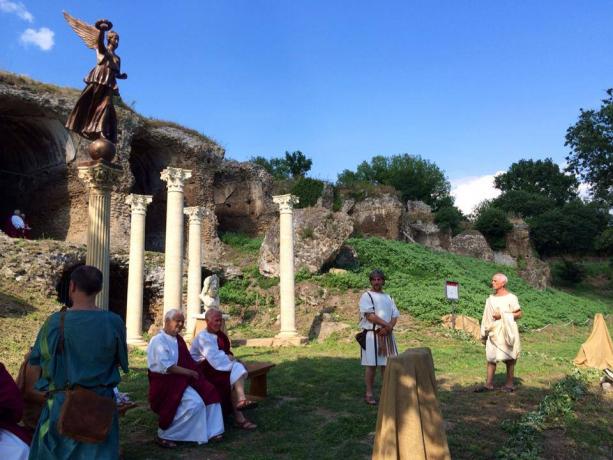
{"x": 34, "y": 151}
{"x": 118, "y": 288}
{"x": 147, "y": 160}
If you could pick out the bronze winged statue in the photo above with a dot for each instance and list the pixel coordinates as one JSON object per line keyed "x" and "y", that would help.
{"x": 93, "y": 116}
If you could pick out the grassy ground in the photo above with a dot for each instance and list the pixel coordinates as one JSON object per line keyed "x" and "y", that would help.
{"x": 315, "y": 407}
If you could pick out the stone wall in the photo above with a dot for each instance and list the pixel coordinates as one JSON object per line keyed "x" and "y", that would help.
{"x": 378, "y": 216}
{"x": 243, "y": 198}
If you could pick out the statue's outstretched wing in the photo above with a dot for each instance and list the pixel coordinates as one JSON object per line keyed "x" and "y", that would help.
{"x": 87, "y": 32}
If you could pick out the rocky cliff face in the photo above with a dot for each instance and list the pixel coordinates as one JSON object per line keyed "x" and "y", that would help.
{"x": 38, "y": 174}
{"x": 318, "y": 236}
{"x": 418, "y": 226}
{"x": 378, "y": 216}
{"x": 243, "y": 198}
{"x": 472, "y": 243}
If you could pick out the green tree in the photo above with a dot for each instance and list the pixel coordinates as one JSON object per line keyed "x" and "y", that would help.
{"x": 494, "y": 224}
{"x": 571, "y": 229}
{"x": 293, "y": 165}
{"x": 276, "y": 167}
{"x": 591, "y": 144}
{"x": 540, "y": 177}
{"x": 525, "y": 204}
{"x": 297, "y": 163}
{"x": 414, "y": 177}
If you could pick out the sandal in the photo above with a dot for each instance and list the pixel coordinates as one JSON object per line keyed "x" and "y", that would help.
{"x": 483, "y": 389}
{"x": 245, "y": 425}
{"x": 245, "y": 404}
{"x": 508, "y": 389}
{"x": 217, "y": 438}
{"x": 165, "y": 443}
{"x": 370, "y": 400}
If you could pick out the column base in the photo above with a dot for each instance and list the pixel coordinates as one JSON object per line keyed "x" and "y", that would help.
{"x": 268, "y": 342}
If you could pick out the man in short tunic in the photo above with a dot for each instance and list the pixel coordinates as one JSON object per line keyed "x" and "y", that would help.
{"x": 188, "y": 405}
{"x": 500, "y": 333}
{"x": 211, "y": 349}
{"x": 378, "y": 315}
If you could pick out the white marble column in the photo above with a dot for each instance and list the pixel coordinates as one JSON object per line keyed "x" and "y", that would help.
{"x": 100, "y": 177}
{"x": 194, "y": 267}
{"x": 136, "y": 270}
{"x": 173, "y": 259}
{"x": 286, "y": 264}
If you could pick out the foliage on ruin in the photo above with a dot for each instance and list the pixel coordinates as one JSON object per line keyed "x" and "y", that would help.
{"x": 449, "y": 218}
{"x": 494, "y": 224}
{"x": 292, "y": 165}
{"x": 308, "y": 191}
{"x": 414, "y": 177}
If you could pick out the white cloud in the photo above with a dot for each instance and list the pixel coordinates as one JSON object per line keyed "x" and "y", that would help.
{"x": 18, "y": 8}
{"x": 470, "y": 191}
{"x": 43, "y": 38}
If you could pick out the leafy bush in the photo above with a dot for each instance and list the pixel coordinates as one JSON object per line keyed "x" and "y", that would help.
{"x": 494, "y": 224}
{"x": 449, "y": 218}
{"x": 415, "y": 277}
{"x": 307, "y": 190}
{"x": 567, "y": 272}
{"x": 571, "y": 229}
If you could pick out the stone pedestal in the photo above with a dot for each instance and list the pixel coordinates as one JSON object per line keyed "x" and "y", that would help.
{"x": 173, "y": 259}
{"x": 100, "y": 176}
{"x": 194, "y": 268}
{"x": 136, "y": 272}
{"x": 286, "y": 265}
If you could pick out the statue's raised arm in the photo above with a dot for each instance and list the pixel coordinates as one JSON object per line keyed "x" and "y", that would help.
{"x": 93, "y": 116}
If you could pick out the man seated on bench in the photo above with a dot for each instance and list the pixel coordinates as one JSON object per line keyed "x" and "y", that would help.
{"x": 211, "y": 349}
{"x": 188, "y": 405}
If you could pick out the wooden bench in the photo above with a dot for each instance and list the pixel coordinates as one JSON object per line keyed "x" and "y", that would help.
{"x": 258, "y": 388}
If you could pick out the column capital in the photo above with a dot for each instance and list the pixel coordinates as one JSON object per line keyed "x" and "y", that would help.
{"x": 195, "y": 214}
{"x": 138, "y": 203}
{"x": 99, "y": 175}
{"x": 175, "y": 178}
{"x": 286, "y": 202}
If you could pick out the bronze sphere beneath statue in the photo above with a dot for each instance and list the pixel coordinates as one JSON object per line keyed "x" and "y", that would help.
{"x": 101, "y": 149}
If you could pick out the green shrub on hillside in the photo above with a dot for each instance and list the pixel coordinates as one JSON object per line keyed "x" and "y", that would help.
{"x": 494, "y": 224}
{"x": 416, "y": 276}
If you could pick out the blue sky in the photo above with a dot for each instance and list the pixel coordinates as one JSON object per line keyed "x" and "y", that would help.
{"x": 470, "y": 85}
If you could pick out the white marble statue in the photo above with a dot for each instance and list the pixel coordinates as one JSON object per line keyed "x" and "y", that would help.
{"x": 210, "y": 293}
